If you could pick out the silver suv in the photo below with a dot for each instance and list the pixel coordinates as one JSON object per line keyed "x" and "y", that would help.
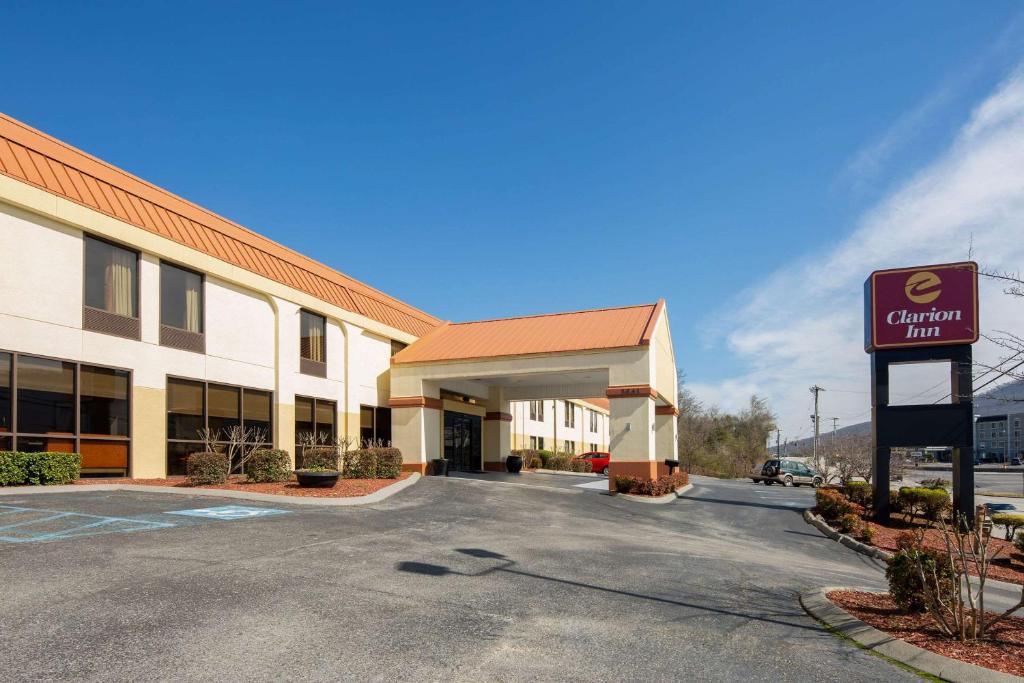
{"x": 787, "y": 473}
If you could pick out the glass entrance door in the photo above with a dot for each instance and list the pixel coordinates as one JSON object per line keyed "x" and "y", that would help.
{"x": 462, "y": 441}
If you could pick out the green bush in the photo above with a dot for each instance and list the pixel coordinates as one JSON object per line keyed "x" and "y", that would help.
{"x": 206, "y": 467}
{"x": 929, "y": 503}
{"x": 389, "y": 463}
{"x": 848, "y": 523}
{"x": 1011, "y": 520}
{"x": 895, "y": 502}
{"x": 832, "y": 504}
{"x": 858, "y": 492}
{"x": 268, "y": 465}
{"x": 530, "y": 457}
{"x": 35, "y": 469}
{"x": 544, "y": 456}
{"x": 1018, "y": 543}
{"x": 905, "y": 585}
{"x": 319, "y": 458}
{"x": 937, "y": 483}
{"x": 624, "y": 484}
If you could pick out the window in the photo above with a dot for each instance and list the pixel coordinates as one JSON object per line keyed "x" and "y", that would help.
{"x": 111, "y": 273}
{"x": 537, "y": 411}
{"x": 193, "y": 406}
{"x": 181, "y": 309}
{"x": 593, "y": 420}
{"x": 593, "y": 447}
{"x": 313, "y": 346}
{"x": 315, "y": 420}
{"x": 65, "y": 406}
{"x": 570, "y": 415}
{"x": 374, "y": 425}
{"x": 570, "y": 446}
{"x": 537, "y": 443}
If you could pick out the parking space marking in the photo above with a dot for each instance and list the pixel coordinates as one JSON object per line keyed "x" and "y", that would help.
{"x": 37, "y": 525}
{"x": 229, "y": 512}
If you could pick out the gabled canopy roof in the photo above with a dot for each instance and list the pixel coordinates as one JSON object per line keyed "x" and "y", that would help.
{"x": 605, "y": 328}
{"x": 33, "y": 157}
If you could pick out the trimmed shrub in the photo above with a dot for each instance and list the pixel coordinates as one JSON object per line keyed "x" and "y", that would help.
{"x": 389, "y": 463}
{"x": 206, "y": 467}
{"x": 858, "y": 492}
{"x": 320, "y": 458}
{"x": 937, "y": 483}
{"x": 544, "y": 456}
{"x": 38, "y": 469}
{"x": 832, "y": 504}
{"x": 925, "y": 502}
{"x": 867, "y": 534}
{"x": 268, "y": 465}
{"x": 558, "y": 461}
{"x": 895, "y": 502}
{"x": 581, "y": 466}
{"x": 848, "y": 523}
{"x": 12, "y": 468}
{"x": 1011, "y": 520}
{"x": 905, "y": 585}
{"x": 1018, "y": 543}
{"x": 625, "y": 484}
{"x": 661, "y": 486}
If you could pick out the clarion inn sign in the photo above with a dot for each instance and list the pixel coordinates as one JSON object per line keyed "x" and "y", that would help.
{"x": 924, "y": 306}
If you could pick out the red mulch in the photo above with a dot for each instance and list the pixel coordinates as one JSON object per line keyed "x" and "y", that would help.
{"x": 345, "y": 488}
{"x": 1008, "y": 565}
{"x": 1002, "y": 649}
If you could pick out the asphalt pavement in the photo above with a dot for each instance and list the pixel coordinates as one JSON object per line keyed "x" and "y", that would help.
{"x": 449, "y": 580}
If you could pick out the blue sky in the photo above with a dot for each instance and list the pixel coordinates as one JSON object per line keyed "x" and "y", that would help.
{"x": 481, "y": 161}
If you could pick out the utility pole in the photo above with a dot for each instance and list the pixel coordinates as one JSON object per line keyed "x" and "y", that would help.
{"x": 835, "y": 420}
{"x": 817, "y": 423}
{"x": 778, "y": 453}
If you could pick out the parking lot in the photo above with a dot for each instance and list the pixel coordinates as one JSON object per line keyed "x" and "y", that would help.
{"x": 453, "y": 580}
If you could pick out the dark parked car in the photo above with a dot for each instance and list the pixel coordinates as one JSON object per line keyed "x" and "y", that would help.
{"x": 787, "y": 473}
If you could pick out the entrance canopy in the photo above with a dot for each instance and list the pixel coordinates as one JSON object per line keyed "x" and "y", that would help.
{"x": 479, "y": 367}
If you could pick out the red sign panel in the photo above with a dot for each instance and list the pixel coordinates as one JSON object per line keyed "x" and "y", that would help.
{"x": 924, "y": 306}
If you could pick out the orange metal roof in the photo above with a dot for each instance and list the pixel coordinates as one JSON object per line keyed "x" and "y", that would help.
{"x": 33, "y": 157}
{"x": 605, "y": 328}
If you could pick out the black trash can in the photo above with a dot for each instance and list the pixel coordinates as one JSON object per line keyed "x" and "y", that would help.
{"x": 514, "y": 463}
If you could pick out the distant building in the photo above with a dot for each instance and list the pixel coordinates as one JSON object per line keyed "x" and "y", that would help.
{"x": 997, "y": 438}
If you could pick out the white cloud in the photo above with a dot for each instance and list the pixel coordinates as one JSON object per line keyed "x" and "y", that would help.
{"x": 803, "y": 324}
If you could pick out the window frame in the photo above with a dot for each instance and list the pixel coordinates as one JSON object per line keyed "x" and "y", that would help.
{"x": 176, "y": 337}
{"x": 101, "y": 320}
{"x": 570, "y": 415}
{"x": 271, "y": 432}
{"x": 75, "y": 435}
{"x": 313, "y": 408}
{"x": 308, "y": 366}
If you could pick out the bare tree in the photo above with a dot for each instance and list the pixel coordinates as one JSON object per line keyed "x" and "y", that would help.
{"x": 241, "y": 443}
{"x": 852, "y": 458}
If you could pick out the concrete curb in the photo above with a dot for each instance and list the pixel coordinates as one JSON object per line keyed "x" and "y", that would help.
{"x": 817, "y": 604}
{"x": 368, "y": 499}
{"x": 592, "y": 475}
{"x": 851, "y": 543}
{"x": 657, "y": 500}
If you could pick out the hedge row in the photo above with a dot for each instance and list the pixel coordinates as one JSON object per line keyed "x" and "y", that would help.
{"x": 372, "y": 463}
{"x": 34, "y": 469}
{"x": 661, "y": 486}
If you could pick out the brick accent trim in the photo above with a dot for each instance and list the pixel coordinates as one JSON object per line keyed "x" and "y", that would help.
{"x": 494, "y": 467}
{"x": 415, "y": 402}
{"x": 504, "y": 417}
{"x": 420, "y": 467}
{"x": 631, "y": 391}
{"x": 666, "y": 410}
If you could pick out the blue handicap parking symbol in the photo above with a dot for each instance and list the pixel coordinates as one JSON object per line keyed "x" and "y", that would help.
{"x": 229, "y": 512}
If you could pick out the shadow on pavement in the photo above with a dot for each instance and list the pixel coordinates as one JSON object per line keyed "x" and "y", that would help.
{"x": 507, "y": 566}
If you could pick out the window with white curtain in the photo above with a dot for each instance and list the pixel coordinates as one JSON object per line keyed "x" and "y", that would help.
{"x": 181, "y": 298}
{"x": 111, "y": 274}
{"x": 313, "y": 344}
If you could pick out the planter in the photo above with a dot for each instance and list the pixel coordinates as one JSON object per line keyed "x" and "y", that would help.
{"x": 439, "y": 467}
{"x": 514, "y": 463}
{"x": 317, "y": 479}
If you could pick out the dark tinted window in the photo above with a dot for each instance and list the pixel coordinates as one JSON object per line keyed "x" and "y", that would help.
{"x": 222, "y": 404}
{"x": 256, "y": 411}
{"x": 104, "y": 401}
{"x": 184, "y": 409}
{"x": 111, "y": 274}
{"x": 5, "y": 394}
{"x": 46, "y": 396}
{"x": 181, "y": 298}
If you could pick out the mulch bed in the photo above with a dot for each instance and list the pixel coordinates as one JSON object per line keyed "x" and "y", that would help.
{"x": 1002, "y": 649}
{"x": 1008, "y": 566}
{"x": 345, "y": 488}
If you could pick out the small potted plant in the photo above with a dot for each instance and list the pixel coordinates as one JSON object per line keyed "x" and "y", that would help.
{"x": 319, "y": 467}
